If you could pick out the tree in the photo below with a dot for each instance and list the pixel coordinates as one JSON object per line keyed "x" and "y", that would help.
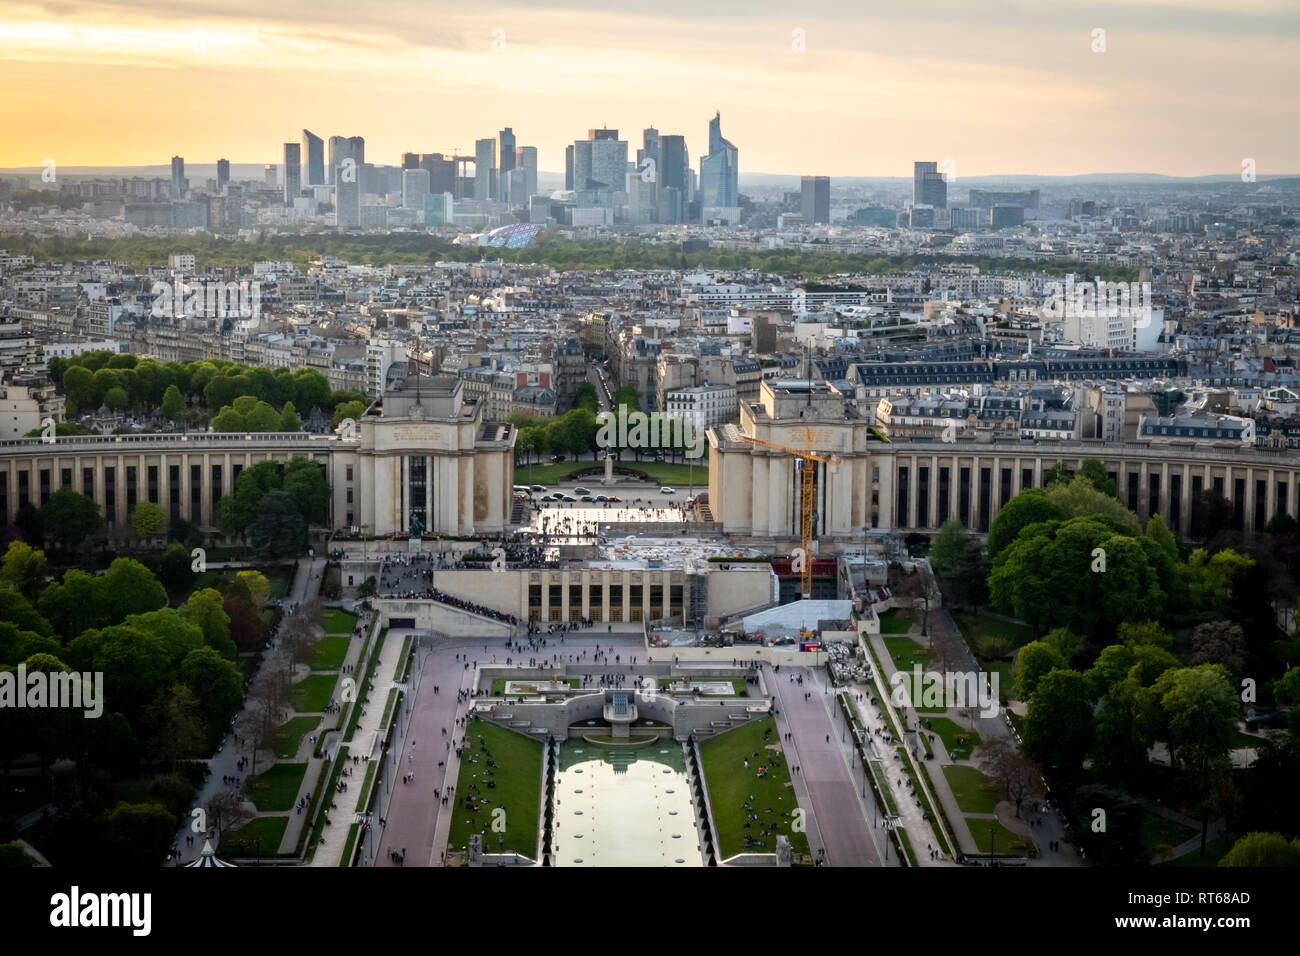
{"x": 176, "y": 569}
{"x": 204, "y": 608}
{"x": 247, "y": 629}
{"x": 175, "y": 722}
{"x": 127, "y": 588}
{"x": 79, "y": 387}
{"x": 1069, "y": 644}
{"x": 948, "y": 546}
{"x": 71, "y": 517}
{"x": 148, "y": 520}
{"x": 1079, "y": 498}
{"x": 1095, "y": 472}
{"x": 1135, "y": 634}
{"x": 219, "y": 687}
{"x": 229, "y": 420}
{"x": 30, "y": 524}
{"x": 1211, "y": 513}
{"x": 228, "y": 811}
{"x": 1030, "y": 507}
{"x": 967, "y": 586}
{"x": 173, "y": 404}
{"x": 72, "y": 604}
{"x": 139, "y": 834}
{"x": 1125, "y": 728}
{"x": 259, "y": 588}
{"x": 1200, "y": 715}
{"x": 289, "y": 419}
{"x": 279, "y": 529}
{"x": 262, "y": 418}
{"x": 1220, "y": 642}
{"x": 1263, "y": 849}
{"x": 304, "y": 480}
{"x": 23, "y": 568}
{"x": 116, "y": 398}
{"x": 18, "y": 611}
{"x": 1058, "y": 727}
{"x": 1003, "y": 762}
{"x": 1034, "y": 661}
{"x": 352, "y": 410}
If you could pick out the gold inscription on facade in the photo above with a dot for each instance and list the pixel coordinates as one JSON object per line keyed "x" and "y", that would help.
{"x": 417, "y": 433}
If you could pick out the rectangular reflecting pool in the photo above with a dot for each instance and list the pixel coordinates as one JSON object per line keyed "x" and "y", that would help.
{"x": 624, "y": 807}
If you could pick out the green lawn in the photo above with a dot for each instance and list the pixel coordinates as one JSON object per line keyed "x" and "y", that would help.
{"x": 666, "y": 473}
{"x": 949, "y": 731}
{"x": 258, "y": 837}
{"x": 1156, "y": 830}
{"x": 1214, "y": 851}
{"x": 974, "y": 792}
{"x": 905, "y": 652}
{"x": 730, "y": 785}
{"x": 400, "y": 670}
{"x": 280, "y": 578}
{"x": 518, "y": 779}
{"x": 346, "y": 859}
{"x": 1001, "y": 842}
{"x": 739, "y": 688}
{"x": 499, "y": 683}
{"x": 336, "y": 621}
{"x": 286, "y": 739}
{"x": 312, "y": 694}
{"x": 276, "y": 789}
{"x": 975, "y": 626}
{"x": 895, "y": 622}
{"x": 329, "y": 652}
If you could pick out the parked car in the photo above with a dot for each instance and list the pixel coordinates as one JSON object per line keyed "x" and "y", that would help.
{"x": 582, "y": 491}
{"x": 557, "y": 458}
{"x": 539, "y": 489}
{"x": 588, "y": 498}
{"x": 569, "y": 498}
{"x": 615, "y": 499}
{"x": 601, "y": 498}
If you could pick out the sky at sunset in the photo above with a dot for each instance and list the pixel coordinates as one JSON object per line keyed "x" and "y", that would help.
{"x": 1183, "y": 87}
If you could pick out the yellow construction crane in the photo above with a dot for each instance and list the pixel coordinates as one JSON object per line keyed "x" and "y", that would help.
{"x": 806, "y": 494}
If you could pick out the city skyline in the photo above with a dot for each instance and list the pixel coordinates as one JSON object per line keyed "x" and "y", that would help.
{"x": 863, "y": 92}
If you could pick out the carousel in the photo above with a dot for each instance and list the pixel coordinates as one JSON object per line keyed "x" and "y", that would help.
{"x": 208, "y": 857}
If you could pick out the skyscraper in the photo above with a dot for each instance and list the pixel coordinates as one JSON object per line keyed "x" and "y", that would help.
{"x": 313, "y": 159}
{"x": 526, "y": 159}
{"x": 600, "y": 161}
{"x": 178, "y": 176}
{"x": 568, "y": 167}
{"x": 347, "y": 197}
{"x": 647, "y": 159}
{"x": 410, "y": 160}
{"x": 269, "y": 175}
{"x": 485, "y": 168}
{"x": 506, "y": 158}
{"x": 674, "y": 176}
{"x": 816, "y": 199}
{"x": 223, "y": 173}
{"x": 343, "y": 148}
{"x": 929, "y": 188}
{"x": 719, "y": 176}
{"x": 292, "y": 172}
{"x": 415, "y": 186}
{"x": 442, "y": 173}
